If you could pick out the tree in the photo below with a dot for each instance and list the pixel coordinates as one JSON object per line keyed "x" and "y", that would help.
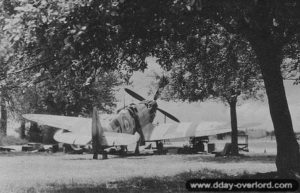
{"x": 271, "y": 27}
{"x": 123, "y": 33}
{"x": 52, "y": 62}
{"x": 44, "y": 72}
{"x": 225, "y": 70}
{"x": 3, "y": 99}
{"x": 3, "y": 125}
{"x": 62, "y": 36}
{"x": 4, "y": 55}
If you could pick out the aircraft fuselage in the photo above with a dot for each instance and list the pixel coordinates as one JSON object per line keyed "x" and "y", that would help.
{"x": 134, "y": 117}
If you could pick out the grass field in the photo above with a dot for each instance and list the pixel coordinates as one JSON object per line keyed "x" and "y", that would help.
{"x": 42, "y": 172}
{"x": 174, "y": 184}
{"x": 137, "y": 184}
{"x": 60, "y": 173}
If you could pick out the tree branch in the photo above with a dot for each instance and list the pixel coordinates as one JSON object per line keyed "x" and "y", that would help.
{"x": 31, "y": 67}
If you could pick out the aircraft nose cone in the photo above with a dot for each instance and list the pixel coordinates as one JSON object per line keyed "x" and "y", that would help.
{"x": 153, "y": 105}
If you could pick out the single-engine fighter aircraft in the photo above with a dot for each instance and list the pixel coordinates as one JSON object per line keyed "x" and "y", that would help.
{"x": 132, "y": 124}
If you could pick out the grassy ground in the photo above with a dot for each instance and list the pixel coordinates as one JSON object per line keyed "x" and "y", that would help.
{"x": 133, "y": 185}
{"x": 54, "y": 173}
{"x": 59, "y": 173}
{"x": 151, "y": 184}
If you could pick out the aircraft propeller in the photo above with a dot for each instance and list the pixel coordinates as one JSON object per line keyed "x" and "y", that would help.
{"x": 140, "y": 98}
{"x": 134, "y": 94}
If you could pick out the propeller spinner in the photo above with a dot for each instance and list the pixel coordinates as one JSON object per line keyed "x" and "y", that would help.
{"x": 140, "y": 98}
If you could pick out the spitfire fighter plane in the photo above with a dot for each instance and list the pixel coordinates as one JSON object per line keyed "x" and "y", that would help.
{"x": 132, "y": 125}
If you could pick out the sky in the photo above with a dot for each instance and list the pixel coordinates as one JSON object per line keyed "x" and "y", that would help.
{"x": 253, "y": 114}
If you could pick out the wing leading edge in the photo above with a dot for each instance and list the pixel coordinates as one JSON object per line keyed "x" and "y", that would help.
{"x": 108, "y": 138}
{"x": 77, "y": 130}
{"x": 187, "y": 129}
{"x": 74, "y": 124}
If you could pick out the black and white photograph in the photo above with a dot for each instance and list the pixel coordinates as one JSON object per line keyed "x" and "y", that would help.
{"x": 149, "y": 96}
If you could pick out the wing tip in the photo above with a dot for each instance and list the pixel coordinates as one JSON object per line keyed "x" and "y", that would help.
{"x": 26, "y": 116}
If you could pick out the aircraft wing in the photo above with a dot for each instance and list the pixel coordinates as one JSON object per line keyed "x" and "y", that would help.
{"x": 73, "y": 124}
{"x": 77, "y": 130}
{"x": 185, "y": 129}
{"x": 108, "y": 138}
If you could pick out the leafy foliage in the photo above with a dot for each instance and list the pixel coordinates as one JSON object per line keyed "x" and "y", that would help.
{"x": 224, "y": 68}
{"x": 270, "y": 27}
{"x": 69, "y": 96}
{"x": 56, "y": 39}
{"x": 62, "y": 61}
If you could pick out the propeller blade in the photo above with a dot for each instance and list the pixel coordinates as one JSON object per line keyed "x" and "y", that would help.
{"x": 161, "y": 85}
{"x": 156, "y": 95}
{"x": 140, "y": 98}
{"x": 168, "y": 115}
{"x": 134, "y": 94}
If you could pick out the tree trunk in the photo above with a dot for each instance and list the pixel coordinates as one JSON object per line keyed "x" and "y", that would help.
{"x": 288, "y": 156}
{"x": 234, "y": 128}
{"x": 22, "y": 129}
{"x": 3, "y": 120}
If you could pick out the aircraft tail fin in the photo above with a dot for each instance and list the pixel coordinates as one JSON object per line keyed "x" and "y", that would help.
{"x": 97, "y": 133}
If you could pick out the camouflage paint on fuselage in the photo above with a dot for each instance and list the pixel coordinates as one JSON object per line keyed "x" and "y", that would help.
{"x": 125, "y": 121}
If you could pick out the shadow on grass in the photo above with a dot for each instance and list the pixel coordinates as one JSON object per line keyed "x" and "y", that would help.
{"x": 115, "y": 156}
{"x": 100, "y": 158}
{"x": 23, "y": 153}
{"x": 152, "y": 184}
{"x": 234, "y": 159}
{"x": 134, "y": 185}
